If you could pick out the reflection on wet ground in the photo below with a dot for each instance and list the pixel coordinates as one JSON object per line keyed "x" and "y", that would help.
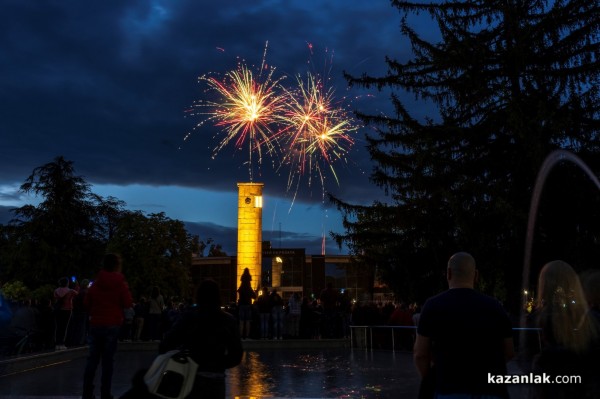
{"x": 339, "y": 373}
{"x": 314, "y": 373}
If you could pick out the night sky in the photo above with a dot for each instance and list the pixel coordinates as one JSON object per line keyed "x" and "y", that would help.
{"x": 107, "y": 85}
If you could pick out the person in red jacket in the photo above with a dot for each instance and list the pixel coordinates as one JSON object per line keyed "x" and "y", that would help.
{"x": 105, "y": 301}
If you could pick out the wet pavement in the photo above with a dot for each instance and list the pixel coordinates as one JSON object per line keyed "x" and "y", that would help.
{"x": 271, "y": 369}
{"x": 340, "y": 373}
{"x": 289, "y": 373}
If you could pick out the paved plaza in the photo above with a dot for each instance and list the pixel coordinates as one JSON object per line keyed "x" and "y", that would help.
{"x": 276, "y": 369}
{"x": 264, "y": 372}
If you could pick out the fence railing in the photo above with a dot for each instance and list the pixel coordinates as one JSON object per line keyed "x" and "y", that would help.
{"x": 363, "y": 336}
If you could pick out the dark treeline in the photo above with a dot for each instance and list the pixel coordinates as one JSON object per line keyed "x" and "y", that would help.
{"x": 507, "y": 83}
{"x": 71, "y": 229}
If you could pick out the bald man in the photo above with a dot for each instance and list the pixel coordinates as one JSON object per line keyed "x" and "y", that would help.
{"x": 462, "y": 336}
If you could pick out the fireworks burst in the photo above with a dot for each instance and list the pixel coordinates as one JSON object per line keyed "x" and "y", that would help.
{"x": 246, "y": 110}
{"x": 318, "y": 131}
{"x": 305, "y": 127}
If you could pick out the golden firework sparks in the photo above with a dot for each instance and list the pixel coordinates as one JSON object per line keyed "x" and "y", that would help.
{"x": 318, "y": 130}
{"x": 305, "y": 126}
{"x": 246, "y": 109}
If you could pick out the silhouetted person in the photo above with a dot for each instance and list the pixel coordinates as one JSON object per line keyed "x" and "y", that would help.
{"x": 105, "y": 301}
{"x": 276, "y": 314}
{"x": 156, "y": 306}
{"x": 465, "y": 335}
{"x": 212, "y": 338}
{"x": 329, "y": 300}
{"x": 263, "y": 304}
{"x": 570, "y": 344}
{"x": 63, "y": 297}
{"x": 140, "y": 310}
{"x": 78, "y": 326}
{"x": 245, "y": 296}
{"x": 295, "y": 311}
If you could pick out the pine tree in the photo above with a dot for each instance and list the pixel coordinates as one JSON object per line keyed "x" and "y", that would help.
{"x": 511, "y": 80}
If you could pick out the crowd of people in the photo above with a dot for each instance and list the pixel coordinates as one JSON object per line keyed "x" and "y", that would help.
{"x": 267, "y": 315}
{"x": 54, "y": 323}
{"x": 63, "y": 322}
{"x": 328, "y": 314}
{"x": 263, "y": 315}
{"x": 459, "y": 336}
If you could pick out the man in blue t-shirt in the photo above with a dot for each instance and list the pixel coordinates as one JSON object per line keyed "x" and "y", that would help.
{"x": 462, "y": 336}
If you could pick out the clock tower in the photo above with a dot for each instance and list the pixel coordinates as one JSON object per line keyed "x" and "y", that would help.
{"x": 249, "y": 242}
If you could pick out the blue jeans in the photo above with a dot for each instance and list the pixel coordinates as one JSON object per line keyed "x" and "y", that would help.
{"x": 103, "y": 345}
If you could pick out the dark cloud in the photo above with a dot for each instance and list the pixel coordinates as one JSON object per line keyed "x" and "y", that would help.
{"x": 107, "y": 86}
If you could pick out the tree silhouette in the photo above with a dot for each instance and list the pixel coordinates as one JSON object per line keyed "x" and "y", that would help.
{"x": 506, "y": 83}
{"x": 70, "y": 229}
{"x": 57, "y": 237}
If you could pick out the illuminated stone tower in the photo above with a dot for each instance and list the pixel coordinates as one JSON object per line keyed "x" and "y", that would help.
{"x": 249, "y": 250}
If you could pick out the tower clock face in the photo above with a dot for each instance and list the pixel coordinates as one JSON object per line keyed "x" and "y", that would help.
{"x": 247, "y": 200}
